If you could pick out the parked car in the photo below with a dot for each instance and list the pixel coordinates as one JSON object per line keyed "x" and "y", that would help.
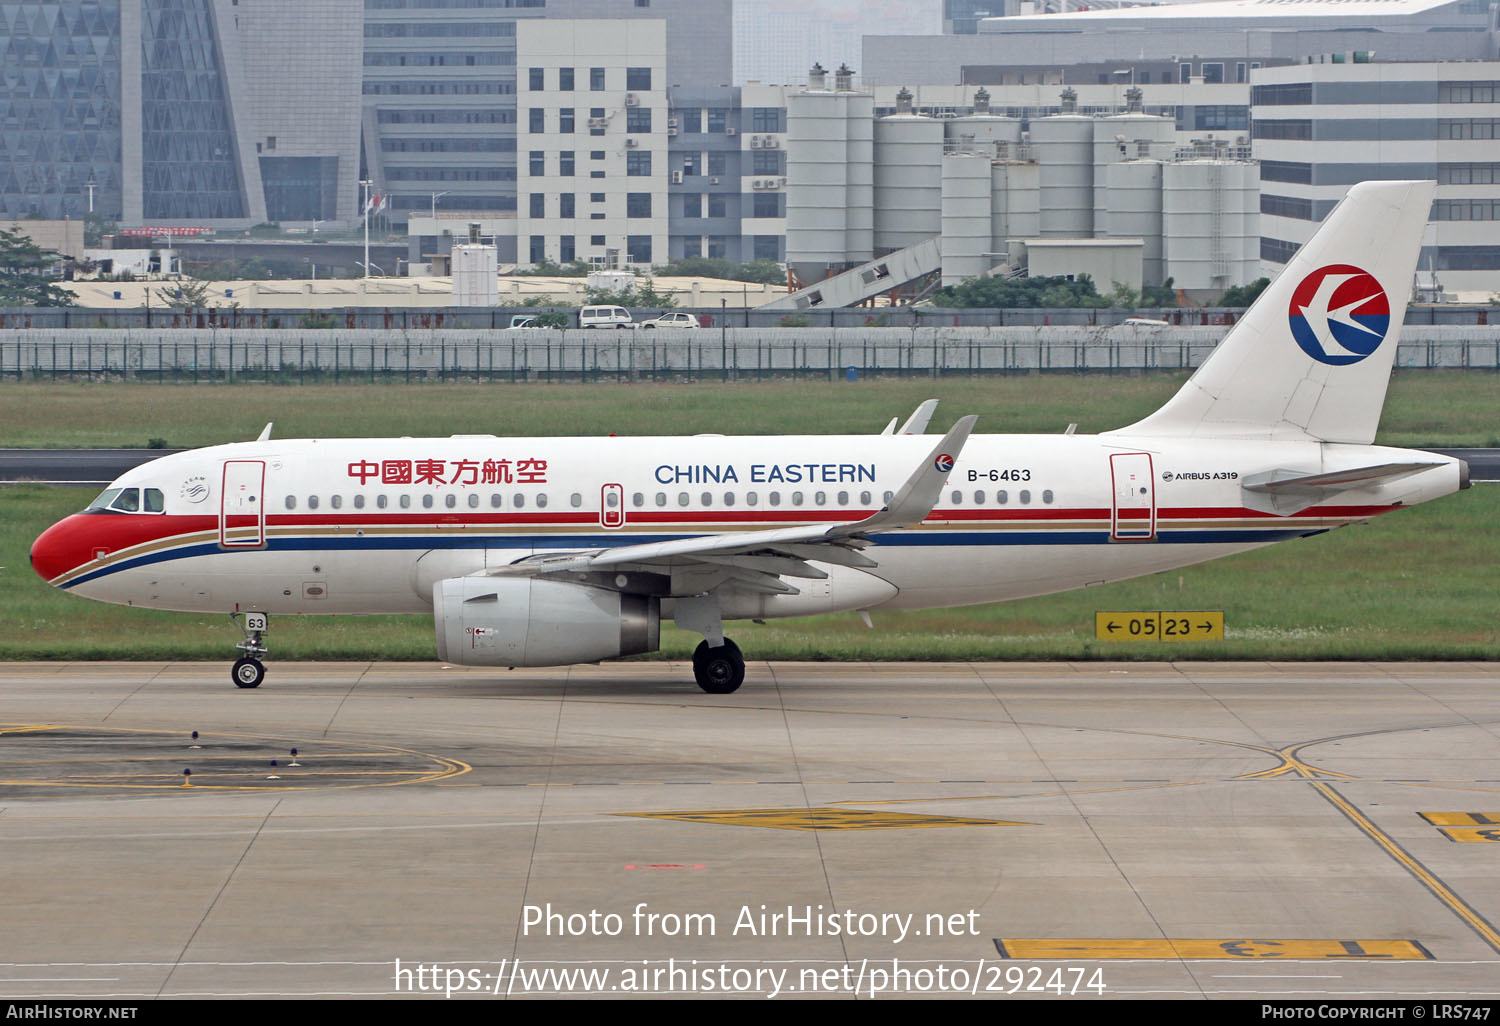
{"x": 604, "y": 317}
{"x": 672, "y": 319}
{"x": 523, "y": 321}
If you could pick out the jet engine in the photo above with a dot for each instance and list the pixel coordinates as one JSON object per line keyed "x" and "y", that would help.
{"x": 522, "y": 621}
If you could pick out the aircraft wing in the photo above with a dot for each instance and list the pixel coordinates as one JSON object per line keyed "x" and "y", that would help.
{"x": 759, "y": 558}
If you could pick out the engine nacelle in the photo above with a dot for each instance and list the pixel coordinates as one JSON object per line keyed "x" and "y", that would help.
{"x": 522, "y": 621}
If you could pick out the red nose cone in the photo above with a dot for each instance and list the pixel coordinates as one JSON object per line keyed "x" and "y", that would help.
{"x": 58, "y": 550}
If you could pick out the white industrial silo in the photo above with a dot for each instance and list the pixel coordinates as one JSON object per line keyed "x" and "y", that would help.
{"x": 981, "y": 129}
{"x": 1133, "y": 135}
{"x": 1133, "y": 196}
{"x": 1015, "y": 204}
{"x": 829, "y": 191}
{"x": 860, "y": 108}
{"x": 908, "y": 177}
{"x": 967, "y": 244}
{"x": 1211, "y": 224}
{"x": 1064, "y": 148}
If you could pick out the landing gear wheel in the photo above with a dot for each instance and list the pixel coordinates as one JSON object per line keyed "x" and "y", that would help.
{"x": 247, "y": 673}
{"x": 719, "y": 671}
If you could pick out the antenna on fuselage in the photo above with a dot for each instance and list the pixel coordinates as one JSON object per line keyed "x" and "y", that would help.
{"x": 265, "y": 432}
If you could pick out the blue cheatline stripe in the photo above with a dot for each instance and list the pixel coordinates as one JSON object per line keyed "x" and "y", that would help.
{"x": 449, "y": 540}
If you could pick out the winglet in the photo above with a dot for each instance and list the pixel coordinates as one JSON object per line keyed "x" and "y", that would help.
{"x": 265, "y": 432}
{"x": 914, "y": 500}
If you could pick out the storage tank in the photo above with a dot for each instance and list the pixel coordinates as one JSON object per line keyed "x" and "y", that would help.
{"x": 829, "y": 190}
{"x": 1064, "y": 148}
{"x": 1015, "y": 198}
{"x": 476, "y": 279}
{"x": 982, "y": 130}
{"x": 1132, "y": 135}
{"x": 908, "y": 177}
{"x": 1132, "y": 192}
{"x": 1210, "y": 224}
{"x": 967, "y": 244}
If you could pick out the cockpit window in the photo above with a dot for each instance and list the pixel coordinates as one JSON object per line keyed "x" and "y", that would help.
{"x": 105, "y": 498}
{"x": 128, "y": 500}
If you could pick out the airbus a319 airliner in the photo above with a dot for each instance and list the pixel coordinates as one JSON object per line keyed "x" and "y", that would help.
{"x": 549, "y": 551}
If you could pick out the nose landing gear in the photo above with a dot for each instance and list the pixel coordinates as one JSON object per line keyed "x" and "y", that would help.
{"x": 248, "y": 671}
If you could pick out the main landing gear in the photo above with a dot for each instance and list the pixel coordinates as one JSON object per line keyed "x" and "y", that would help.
{"x": 721, "y": 670}
{"x": 248, "y": 670}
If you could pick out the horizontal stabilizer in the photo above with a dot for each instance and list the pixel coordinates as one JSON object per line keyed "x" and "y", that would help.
{"x": 1285, "y": 492}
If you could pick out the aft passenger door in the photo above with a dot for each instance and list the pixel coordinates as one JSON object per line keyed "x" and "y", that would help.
{"x": 242, "y": 508}
{"x": 1133, "y": 517}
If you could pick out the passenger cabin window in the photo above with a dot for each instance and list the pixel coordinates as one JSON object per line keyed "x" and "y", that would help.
{"x": 450, "y": 501}
{"x": 291, "y": 502}
{"x": 1047, "y": 496}
{"x": 359, "y": 502}
{"x": 496, "y": 500}
{"x": 541, "y": 501}
{"x": 752, "y": 498}
{"x": 426, "y": 502}
{"x": 382, "y": 500}
{"x": 406, "y": 502}
{"x": 336, "y": 501}
{"x": 312, "y": 502}
{"x": 473, "y": 500}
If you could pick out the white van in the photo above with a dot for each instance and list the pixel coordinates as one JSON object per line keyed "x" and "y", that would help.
{"x": 604, "y": 317}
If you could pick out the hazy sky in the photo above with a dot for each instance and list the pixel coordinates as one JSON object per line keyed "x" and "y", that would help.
{"x": 777, "y": 40}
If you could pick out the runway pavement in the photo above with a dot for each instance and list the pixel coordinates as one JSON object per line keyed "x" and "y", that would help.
{"x": 1194, "y": 831}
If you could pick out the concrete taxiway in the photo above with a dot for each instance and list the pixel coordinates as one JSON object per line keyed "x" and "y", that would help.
{"x": 1193, "y": 830}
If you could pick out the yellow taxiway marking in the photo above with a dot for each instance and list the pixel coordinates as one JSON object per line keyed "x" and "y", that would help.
{"x": 1290, "y": 764}
{"x": 1472, "y": 834}
{"x": 820, "y": 819}
{"x": 1165, "y": 948}
{"x": 1442, "y": 819}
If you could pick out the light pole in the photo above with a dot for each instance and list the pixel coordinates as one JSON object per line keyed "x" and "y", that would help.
{"x": 435, "y": 197}
{"x": 90, "y": 186}
{"x": 724, "y": 338}
{"x": 365, "y": 183}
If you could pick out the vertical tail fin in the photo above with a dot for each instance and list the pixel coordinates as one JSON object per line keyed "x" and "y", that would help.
{"x": 1312, "y": 357}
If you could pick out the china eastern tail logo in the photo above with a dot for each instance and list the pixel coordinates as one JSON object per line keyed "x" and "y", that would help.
{"x": 943, "y": 463}
{"x": 1339, "y": 314}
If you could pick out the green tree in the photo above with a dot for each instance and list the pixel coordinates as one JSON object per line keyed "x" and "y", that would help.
{"x": 1123, "y": 297}
{"x": 551, "y": 319}
{"x": 185, "y": 295}
{"x": 1012, "y": 293}
{"x": 1244, "y": 295}
{"x": 26, "y": 273}
{"x": 762, "y": 271}
{"x": 1159, "y": 295}
{"x": 95, "y": 228}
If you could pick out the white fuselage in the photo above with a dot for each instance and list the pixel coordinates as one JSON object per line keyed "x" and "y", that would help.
{"x": 370, "y": 525}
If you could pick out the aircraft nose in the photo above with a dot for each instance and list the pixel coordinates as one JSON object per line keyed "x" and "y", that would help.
{"x": 57, "y": 550}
